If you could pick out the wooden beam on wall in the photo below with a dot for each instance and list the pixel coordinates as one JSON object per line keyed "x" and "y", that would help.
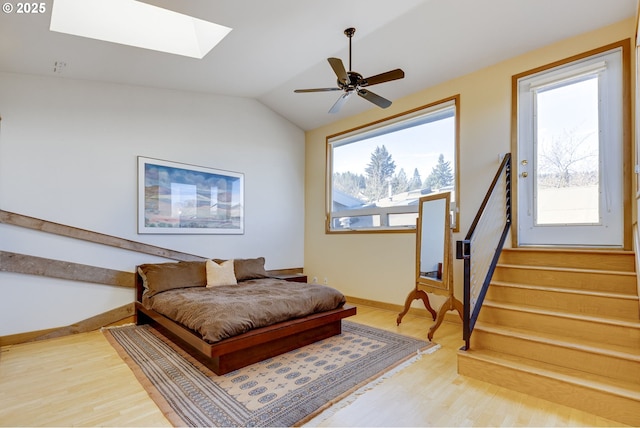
{"x": 14, "y": 219}
{"x": 32, "y": 265}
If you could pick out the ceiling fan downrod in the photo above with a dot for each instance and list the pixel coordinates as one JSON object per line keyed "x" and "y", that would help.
{"x": 349, "y": 33}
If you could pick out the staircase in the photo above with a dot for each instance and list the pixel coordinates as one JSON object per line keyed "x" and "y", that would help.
{"x": 563, "y": 325}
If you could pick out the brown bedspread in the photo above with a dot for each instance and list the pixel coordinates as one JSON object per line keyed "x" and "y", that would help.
{"x": 220, "y": 312}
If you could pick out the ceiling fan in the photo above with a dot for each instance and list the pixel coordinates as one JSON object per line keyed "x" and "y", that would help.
{"x": 352, "y": 82}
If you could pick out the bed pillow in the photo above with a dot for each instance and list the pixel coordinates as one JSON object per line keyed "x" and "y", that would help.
{"x": 220, "y": 273}
{"x": 250, "y": 269}
{"x": 160, "y": 277}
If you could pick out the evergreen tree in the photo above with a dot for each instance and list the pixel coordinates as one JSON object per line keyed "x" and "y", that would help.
{"x": 416, "y": 181}
{"x": 400, "y": 183}
{"x": 350, "y": 183}
{"x": 441, "y": 175}
{"x": 379, "y": 172}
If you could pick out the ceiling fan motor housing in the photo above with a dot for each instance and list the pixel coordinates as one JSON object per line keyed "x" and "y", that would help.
{"x": 353, "y": 82}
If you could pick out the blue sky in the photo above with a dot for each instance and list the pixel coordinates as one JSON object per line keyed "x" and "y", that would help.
{"x": 416, "y": 147}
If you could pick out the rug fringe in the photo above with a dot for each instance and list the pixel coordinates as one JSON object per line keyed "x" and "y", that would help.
{"x": 352, "y": 397}
{"x": 110, "y": 327}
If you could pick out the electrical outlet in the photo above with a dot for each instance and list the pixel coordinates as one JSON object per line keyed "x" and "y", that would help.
{"x": 314, "y": 280}
{"x": 326, "y": 280}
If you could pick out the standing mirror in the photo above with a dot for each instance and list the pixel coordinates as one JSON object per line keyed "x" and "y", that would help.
{"x": 433, "y": 242}
{"x": 433, "y": 258}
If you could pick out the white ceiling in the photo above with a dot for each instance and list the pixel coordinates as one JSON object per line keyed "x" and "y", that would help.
{"x": 277, "y": 46}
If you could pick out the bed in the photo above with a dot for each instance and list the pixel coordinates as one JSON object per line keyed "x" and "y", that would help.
{"x": 229, "y": 314}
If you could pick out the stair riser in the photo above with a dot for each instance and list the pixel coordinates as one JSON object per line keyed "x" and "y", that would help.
{"x": 600, "y": 403}
{"x": 566, "y": 327}
{"x": 567, "y": 302}
{"x": 623, "y": 283}
{"x": 599, "y": 364}
{"x": 611, "y": 261}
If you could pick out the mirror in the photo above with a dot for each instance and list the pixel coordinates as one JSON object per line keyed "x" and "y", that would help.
{"x": 433, "y": 242}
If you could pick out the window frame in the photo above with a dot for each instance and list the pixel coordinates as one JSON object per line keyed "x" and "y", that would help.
{"x": 423, "y": 110}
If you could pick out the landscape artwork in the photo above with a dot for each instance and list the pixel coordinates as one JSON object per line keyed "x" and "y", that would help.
{"x": 187, "y": 199}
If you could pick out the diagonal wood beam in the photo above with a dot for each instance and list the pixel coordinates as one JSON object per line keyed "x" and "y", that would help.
{"x": 32, "y": 265}
{"x": 14, "y": 219}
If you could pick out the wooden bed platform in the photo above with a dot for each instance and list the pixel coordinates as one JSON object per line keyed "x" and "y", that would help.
{"x": 251, "y": 347}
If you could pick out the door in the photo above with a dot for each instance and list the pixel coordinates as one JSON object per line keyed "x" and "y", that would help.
{"x": 570, "y": 154}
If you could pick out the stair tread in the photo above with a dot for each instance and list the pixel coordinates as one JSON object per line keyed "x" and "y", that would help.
{"x": 566, "y": 269}
{"x": 614, "y": 386}
{"x": 581, "y": 291}
{"x": 571, "y": 250}
{"x": 593, "y": 347}
{"x": 621, "y": 322}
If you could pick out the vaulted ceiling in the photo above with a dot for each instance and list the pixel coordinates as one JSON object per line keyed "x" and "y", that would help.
{"x": 277, "y": 46}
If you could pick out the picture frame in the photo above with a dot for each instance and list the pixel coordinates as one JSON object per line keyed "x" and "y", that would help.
{"x": 177, "y": 198}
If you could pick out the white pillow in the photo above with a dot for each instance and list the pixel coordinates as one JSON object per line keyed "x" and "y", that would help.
{"x": 220, "y": 274}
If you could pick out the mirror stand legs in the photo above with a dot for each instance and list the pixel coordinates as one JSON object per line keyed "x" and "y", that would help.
{"x": 450, "y": 304}
{"x": 415, "y": 295}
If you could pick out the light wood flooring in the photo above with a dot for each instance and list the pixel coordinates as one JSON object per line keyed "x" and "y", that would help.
{"x": 79, "y": 380}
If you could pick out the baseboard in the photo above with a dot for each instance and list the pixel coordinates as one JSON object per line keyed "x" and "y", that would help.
{"x": 14, "y": 339}
{"x": 121, "y": 315}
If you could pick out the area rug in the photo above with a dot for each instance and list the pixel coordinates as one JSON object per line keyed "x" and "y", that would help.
{"x": 286, "y": 390}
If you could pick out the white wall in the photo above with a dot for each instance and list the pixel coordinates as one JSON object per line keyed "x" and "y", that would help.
{"x": 68, "y": 154}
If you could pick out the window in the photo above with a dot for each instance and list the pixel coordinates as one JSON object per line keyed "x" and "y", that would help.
{"x": 377, "y": 173}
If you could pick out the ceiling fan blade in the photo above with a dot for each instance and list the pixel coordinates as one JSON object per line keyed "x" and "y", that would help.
{"x": 343, "y": 98}
{"x": 383, "y": 77}
{"x": 317, "y": 90}
{"x": 338, "y": 68}
{"x": 374, "y": 98}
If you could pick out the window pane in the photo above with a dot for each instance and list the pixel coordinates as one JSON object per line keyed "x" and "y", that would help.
{"x": 387, "y": 169}
{"x": 356, "y": 222}
{"x": 567, "y": 182}
{"x": 408, "y": 219}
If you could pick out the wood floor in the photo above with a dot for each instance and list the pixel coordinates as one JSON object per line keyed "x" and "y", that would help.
{"x": 80, "y": 381}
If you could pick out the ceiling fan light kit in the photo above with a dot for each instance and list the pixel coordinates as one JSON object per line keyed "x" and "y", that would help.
{"x": 351, "y": 82}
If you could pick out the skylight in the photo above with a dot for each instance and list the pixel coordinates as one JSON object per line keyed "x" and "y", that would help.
{"x": 133, "y": 23}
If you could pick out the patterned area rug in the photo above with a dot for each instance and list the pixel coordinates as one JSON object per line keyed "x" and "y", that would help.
{"x": 282, "y": 391}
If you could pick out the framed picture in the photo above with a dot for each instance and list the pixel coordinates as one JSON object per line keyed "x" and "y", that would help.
{"x": 179, "y": 198}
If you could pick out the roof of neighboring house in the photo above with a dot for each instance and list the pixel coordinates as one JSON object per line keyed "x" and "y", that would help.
{"x": 345, "y": 199}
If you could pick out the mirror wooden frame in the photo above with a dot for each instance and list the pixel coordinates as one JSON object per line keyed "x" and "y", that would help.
{"x": 441, "y": 227}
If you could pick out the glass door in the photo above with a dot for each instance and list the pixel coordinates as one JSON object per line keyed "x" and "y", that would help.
{"x": 570, "y": 144}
